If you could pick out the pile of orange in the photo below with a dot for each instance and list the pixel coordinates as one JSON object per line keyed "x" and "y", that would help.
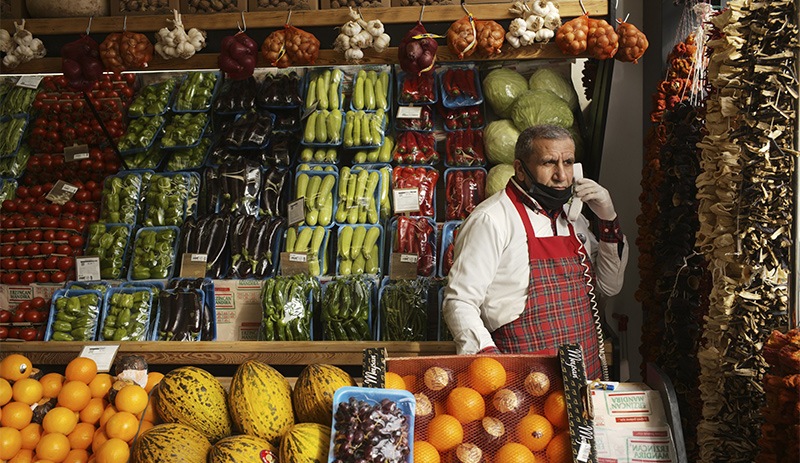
{"x": 538, "y": 432}
{"x": 81, "y": 425}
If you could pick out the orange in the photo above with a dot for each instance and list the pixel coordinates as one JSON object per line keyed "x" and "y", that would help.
{"x": 486, "y": 375}
{"x": 77, "y": 456}
{"x": 81, "y": 369}
{"x": 445, "y": 432}
{"x": 534, "y": 432}
{"x": 60, "y": 419}
{"x": 15, "y": 367}
{"x": 81, "y": 436}
{"x": 10, "y": 442}
{"x": 23, "y": 456}
{"x": 51, "y": 384}
{"x": 16, "y": 415}
{"x": 513, "y": 452}
{"x": 31, "y": 435}
{"x": 6, "y": 392}
{"x": 153, "y": 378}
{"x": 425, "y": 453}
{"x": 113, "y": 451}
{"x": 394, "y": 381}
{"x": 411, "y": 383}
{"x": 465, "y": 404}
{"x": 559, "y": 450}
{"x": 27, "y": 390}
{"x": 100, "y": 385}
{"x": 149, "y": 413}
{"x": 123, "y": 425}
{"x": 74, "y": 395}
{"x": 92, "y": 412}
{"x": 132, "y": 399}
{"x": 144, "y": 426}
{"x": 99, "y": 438}
{"x": 555, "y": 409}
{"x": 107, "y": 413}
{"x": 53, "y": 447}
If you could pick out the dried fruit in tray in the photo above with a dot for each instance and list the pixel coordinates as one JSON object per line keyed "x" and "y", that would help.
{"x": 415, "y": 148}
{"x": 367, "y": 429}
{"x": 421, "y": 178}
{"x": 465, "y": 148}
{"x": 465, "y": 189}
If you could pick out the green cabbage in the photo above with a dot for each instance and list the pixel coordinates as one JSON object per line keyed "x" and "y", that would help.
{"x": 547, "y": 79}
{"x": 498, "y": 177}
{"x": 578, "y": 139}
{"x": 501, "y": 87}
{"x": 537, "y": 107}
{"x": 499, "y": 140}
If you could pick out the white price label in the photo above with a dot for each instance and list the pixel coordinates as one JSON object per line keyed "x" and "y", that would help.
{"x": 193, "y": 265}
{"x": 406, "y": 200}
{"x": 31, "y": 82}
{"x": 409, "y": 258}
{"x": 296, "y": 211}
{"x": 76, "y": 153}
{"x": 199, "y": 257}
{"x": 409, "y": 112}
{"x": 87, "y": 268}
{"x": 584, "y": 451}
{"x": 103, "y": 356}
{"x": 298, "y": 257}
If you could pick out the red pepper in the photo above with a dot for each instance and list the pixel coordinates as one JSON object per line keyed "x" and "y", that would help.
{"x": 450, "y": 89}
{"x": 477, "y": 143}
{"x": 427, "y": 248}
{"x": 402, "y": 235}
{"x": 468, "y": 189}
{"x": 410, "y": 89}
{"x": 425, "y": 88}
{"x": 455, "y": 198}
{"x": 480, "y": 179}
{"x": 469, "y": 81}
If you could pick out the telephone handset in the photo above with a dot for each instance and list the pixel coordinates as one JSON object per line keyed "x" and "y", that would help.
{"x": 575, "y": 205}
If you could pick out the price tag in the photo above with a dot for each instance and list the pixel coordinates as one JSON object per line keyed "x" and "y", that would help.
{"x": 406, "y": 200}
{"x": 403, "y": 266}
{"x": 307, "y": 111}
{"x": 76, "y": 153}
{"x": 103, "y": 356}
{"x": 61, "y": 193}
{"x": 409, "y": 112}
{"x": 296, "y": 211}
{"x": 31, "y": 82}
{"x": 87, "y": 268}
{"x": 193, "y": 265}
{"x": 294, "y": 263}
{"x": 584, "y": 451}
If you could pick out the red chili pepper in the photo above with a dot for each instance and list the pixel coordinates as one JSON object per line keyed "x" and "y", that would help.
{"x": 477, "y": 143}
{"x": 403, "y": 237}
{"x": 480, "y": 179}
{"x": 427, "y": 248}
{"x": 468, "y": 189}
{"x": 410, "y": 89}
{"x": 425, "y": 87}
{"x": 449, "y": 86}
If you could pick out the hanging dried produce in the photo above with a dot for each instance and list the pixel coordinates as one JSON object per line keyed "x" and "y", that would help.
{"x": 125, "y": 50}
{"x": 779, "y": 437}
{"x": 81, "y": 64}
{"x": 632, "y": 43}
{"x": 109, "y": 52}
{"x": 468, "y": 34}
{"x": 572, "y": 36}
{"x": 535, "y": 23}
{"x": 177, "y": 43}
{"x": 357, "y": 34}
{"x": 20, "y": 47}
{"x": 238, "y": 56}
{"x": 602, "y": 41}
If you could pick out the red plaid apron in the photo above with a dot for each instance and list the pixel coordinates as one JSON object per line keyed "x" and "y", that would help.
{"x": 557, "y": 310}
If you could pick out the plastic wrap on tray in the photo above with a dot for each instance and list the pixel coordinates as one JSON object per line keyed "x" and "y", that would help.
{"x": 287, "y": 308}
{"x": 359, "y": 250}
{"x": 404, "y": 311}
{"x": 346, "y": 312}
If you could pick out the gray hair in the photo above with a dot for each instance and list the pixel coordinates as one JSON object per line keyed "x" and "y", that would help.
{"x": 524, "y": 146}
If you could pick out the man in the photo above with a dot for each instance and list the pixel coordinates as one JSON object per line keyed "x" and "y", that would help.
{"x": 521, "y": 279}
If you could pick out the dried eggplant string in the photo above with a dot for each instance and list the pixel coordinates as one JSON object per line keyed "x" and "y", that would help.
{"x": 745, "y": 215}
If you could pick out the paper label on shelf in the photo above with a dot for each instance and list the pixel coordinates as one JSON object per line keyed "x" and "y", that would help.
{"x": 403, "y": 266}
{"x": 409, "y": 112}
{"x": 103, "y": 356}
{"x": 406, "y": 200}
{"x": 31, "y": 82}
{"x": 61, "y": 193}
{"x": 193, "y": 265}
{"x": 374, "y": 367}
{"x": 87, "y": 268}
{"x": 307, "y": 111}
{"x": 296, "y": 211}
{"x": 76, "y": 153}
{"x": 294, "y": 263}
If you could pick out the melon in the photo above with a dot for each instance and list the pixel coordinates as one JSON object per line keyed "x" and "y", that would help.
{"x": 260, "y": 401}
{"x": 242, "y": 449}
{"x": 172, "y": 442}
{"x": 312, "y": 396}
{"x": 305, "y": 443}
{"x": 194, "y": 397}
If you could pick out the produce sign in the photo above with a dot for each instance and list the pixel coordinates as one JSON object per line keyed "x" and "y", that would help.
{"x": 424, "y": 179}
{"x": 346, "y": 310}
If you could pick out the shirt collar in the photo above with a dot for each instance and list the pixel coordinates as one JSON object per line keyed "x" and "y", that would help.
{"x": 532, "y": 203}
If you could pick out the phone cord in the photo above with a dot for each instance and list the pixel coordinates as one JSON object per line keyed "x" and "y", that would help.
{"x": 595, "y": 313}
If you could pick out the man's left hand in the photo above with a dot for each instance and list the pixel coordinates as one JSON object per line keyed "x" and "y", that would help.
{"x": 596, "y": 197}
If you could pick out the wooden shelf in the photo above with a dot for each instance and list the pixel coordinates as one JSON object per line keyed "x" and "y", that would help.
{"x": 304, "y": 18}
{"x": 228, "y": 353}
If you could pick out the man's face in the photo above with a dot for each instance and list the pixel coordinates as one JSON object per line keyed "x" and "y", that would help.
{"x": 550, "y": 163}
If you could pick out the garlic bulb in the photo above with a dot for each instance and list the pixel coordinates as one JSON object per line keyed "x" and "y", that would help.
{"x": 21, "y": 47}
{"x": 357, "y": 34}
{"x": 177, "y": 43}
{"x": 541, "y": 19}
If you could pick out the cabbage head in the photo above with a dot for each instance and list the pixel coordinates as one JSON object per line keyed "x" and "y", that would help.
{"x": 498, "y": 177}
{"x": 547, "y": 79}
{"x": 499, "y": 140}
{"x": 537, "y": 107}
{"x": 501, "y": 87}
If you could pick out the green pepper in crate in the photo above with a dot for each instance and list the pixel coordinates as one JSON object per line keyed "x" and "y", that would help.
{"x": 184, "y": 130}
{"x": 127, "y": 316}
{"x": 196, "y": 91}
{"x": 120, "y": 198}
{"x": 188, "y": 158}
{"x": 153, "y": 99}
{"x": 141, "y": 132}
{"x": 165, "y": 200}
{"x": 75, "y": 317}
{"x": 153, "y": 254}
{"x": 404, "y": 314}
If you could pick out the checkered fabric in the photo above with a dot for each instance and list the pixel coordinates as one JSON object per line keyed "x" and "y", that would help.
{"x": 557, "y": 310}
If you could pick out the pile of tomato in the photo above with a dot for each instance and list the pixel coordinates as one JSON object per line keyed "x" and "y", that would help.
{"x": 27, "y": 321}
{"x": 43, "y": 168}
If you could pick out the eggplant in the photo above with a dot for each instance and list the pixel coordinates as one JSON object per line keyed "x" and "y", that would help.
{"x": 242, "y": 267}
{"x": 168, "y": 316}
{"x": 209, "y": 197}
{"x": 208, "y": 323}
{"x": 281, "y": 149}
{"x": 265, "y": 266}
{"x": 188, "y": 234}
{"x": 287, "y": 119}
{"x": 190, "y": 320}
{"x": 217, "y": 242}
{"x": 255, "y": 241}
{"x": 272, "y": 191}
{"x": 236, "y": 96}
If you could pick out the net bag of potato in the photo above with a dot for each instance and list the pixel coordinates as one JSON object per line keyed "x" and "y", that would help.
{"x": 290, "y": 46}
{"x": 468, "y": 34}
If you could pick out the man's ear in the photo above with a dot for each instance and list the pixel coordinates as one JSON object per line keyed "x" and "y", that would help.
{"x": 519, "y": 171}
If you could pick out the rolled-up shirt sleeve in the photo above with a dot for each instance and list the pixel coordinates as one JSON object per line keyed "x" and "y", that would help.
{"x": 609, "y": 257}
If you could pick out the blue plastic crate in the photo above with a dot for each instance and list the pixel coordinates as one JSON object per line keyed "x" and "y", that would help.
{"x": 172, "y": 256}
{"x": 379, "y": 243}
{"x": 94, "y": 316}
{"x": 461, "y": 100}
{"x": 179, "y": 109}
{"x": 143, "y": 317}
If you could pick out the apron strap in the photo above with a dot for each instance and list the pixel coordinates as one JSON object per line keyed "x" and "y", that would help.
{"x": 516, "y": 199}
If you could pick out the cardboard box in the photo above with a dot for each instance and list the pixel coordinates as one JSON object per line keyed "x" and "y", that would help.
{"x": 629, "y": 404}
{"x": 329, "y": 4}
{"x": 652, "y": 444}
{"x": 11, "y": 295}
{"x": 143, "y": 7}
{"x": 277, "y": 5}
{"x": 238, "y": 304}
{"x": 191, "y": 6}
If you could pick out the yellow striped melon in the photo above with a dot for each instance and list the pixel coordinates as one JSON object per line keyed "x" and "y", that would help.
{"x": 194, "y": 397}
{"x": 170, "y": 443}
{"x": 260, "y": 401}
{"x": 305, "y": 443}
{"x": 242, "y": 449}
{"x": 312, "y": 396}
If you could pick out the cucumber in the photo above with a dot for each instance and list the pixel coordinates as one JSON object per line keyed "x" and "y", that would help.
{"x": 344, "y": 177}
{"x": 380, "y": 95}
{"x": 303, "y": 240}
{"x": 316, "y": 240}
{"x": 333, "y": 90}
{"x": 358, "y": 91}
{"x": 325, "y": 188}
{"x": 302, "y": 186}
{"x": 349, "y": 126}
{"x": 313, "y": 190}
{"x": 359, "y": 264}
{"x": 370, "y": 240}
{"x": 309, "y": 135}
{"x": 334, "y": 125}
{"x": 385, "y": 154}
{"x": 311, "y": 96}
{"x": 345, "y": 266}
{"x": 357, "y": 128}
{"x": 372, "y": 263}
{"x": 360, "y": 157}
{"x": 345, "y": 238}
{"x": 323, "y": 84}
{"x": 326, "y": 210}
{"x": 307, "y": 155}
{"x": 357, "y": 244}
{"x": 331, "y": 155}
{"x": 321, "y": 132}
{"x": 366, "y": 133}
{"x": 369, "y": 95}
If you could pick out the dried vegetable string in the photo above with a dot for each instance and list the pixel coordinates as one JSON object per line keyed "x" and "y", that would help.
{"x": 746, "y": 196}
{"x": 779, "y": 434}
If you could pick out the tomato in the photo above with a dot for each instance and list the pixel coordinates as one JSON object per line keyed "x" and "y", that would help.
{"x": 32, "y": 249}
{"x": 28, "y": 334}
{"x": 13, "y": 333}
{"x": 83, "y": 195}
{"x": 33, "y": 222}
{"x": 5, "y": 316}
{"x": 43, "y": 277}
{"x": 49, "y": 235}
{"x": 9, "y": 237}
{"x": 37, "y": 264}
{"x": 19, "y": 316}
{"x": 9, "y": 206}
{"x": 40, "y": 208}
{"x": 62, "y": 235}
{"x": 65, "y": 263}
{"x": 76, "y": 241}
{"x": 3, "y": 332}
{"x": 8, "y": 222}
{"x": 6, "y": 250}
{"x": 64, "y": 249}
{"x": 10, "y": 278}
{"x": 54, "y": 210}
{"x": 8, "y": 264}
{"x": 23, "y": 264}
{"x": 58, "y": 277}
{"x": 19, "y": 250}
{"x": 20, "y": 223}
{"x": 50, "y": 222}
{"x": 47, "y": 248}
{"x": 28, "y": 278}
{"x": 34, "y": 316}
{"x": 68, "y": 224}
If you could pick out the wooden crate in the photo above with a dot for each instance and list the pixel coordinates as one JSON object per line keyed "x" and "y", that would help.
{"x": 143, "y": 7}
{"x": 13, "y": 9}
{"x": 333, "y": 4}
{"x": 188, "y": 6}
{"x": 417, "y": 3}
{"x": 267, "y": 5}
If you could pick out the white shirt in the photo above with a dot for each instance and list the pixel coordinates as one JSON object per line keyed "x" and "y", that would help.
{"x": 488, "y": 283}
